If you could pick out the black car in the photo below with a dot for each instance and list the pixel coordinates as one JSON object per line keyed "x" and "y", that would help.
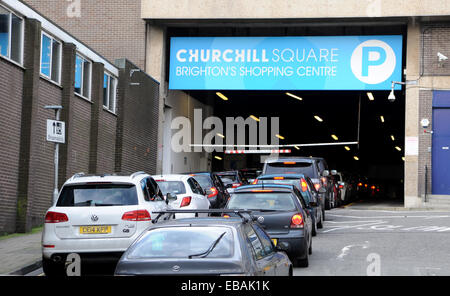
{"x": 232, "y": 180}
{"x": 250, "y": 174}
{"x": 314, "y": 167}
{"x": 215, "y": 189}
{"x": 307, "y": 190}
{"x": 205, "y": 246}
{"x": 282, "y": 213}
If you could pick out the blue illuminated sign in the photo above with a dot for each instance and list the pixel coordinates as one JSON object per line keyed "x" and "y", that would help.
{"x": 285, "y": 63}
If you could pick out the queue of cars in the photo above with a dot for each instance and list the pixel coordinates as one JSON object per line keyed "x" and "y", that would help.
{"x": 190, "y": 223}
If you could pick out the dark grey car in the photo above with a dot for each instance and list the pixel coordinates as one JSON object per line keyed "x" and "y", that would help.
{"x": 205, "y": 246}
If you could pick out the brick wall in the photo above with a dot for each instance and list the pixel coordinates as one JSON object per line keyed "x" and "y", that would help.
{"x": 113, "y": 28}
{"x": 106, "y": 142}
{"x": 425, "y": 111}
{"x": 11, "y": 79}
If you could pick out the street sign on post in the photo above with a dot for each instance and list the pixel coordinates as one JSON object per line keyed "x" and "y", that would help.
{"x": 56, "y": 131}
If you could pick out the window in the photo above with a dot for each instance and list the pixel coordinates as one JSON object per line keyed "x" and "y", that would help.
{"x": 11, "y": 35}
{"x": 50, "y": 58}
{"x": 109, "y": 92}
{"x": 82, "y": 76}
{"x": 265, "y": 240}
{"x": 195, "y": 187}
{"x": 255, "y": 243}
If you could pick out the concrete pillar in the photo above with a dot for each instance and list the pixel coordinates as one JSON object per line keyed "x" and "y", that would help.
{"x": 413, "y": 52}
{"x": 155, "y": 67}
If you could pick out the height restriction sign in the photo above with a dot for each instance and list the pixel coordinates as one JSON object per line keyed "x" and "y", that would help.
{"x": 56, "y": 131}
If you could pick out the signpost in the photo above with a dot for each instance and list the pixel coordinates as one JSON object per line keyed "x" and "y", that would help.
{"x": 56, "y": 132}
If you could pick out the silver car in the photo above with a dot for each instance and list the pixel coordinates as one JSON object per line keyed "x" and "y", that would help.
{"x": 205, "y": 246}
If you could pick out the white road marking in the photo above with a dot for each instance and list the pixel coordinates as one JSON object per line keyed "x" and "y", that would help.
{"x": 345, "y": 250}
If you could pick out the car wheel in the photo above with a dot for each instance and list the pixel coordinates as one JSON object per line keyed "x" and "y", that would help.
{"x": 51, "y": 268}
{"x": 303, "y": 262}
{"x": 320, "y": 223}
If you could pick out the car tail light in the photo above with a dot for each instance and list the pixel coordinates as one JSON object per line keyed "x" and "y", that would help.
{"x": 304, "y": 185}
{"x": 55, "y": 217}
{"x": 255, "y": 182}
{"x": 324, "y": 181}
{"x": 341, "y": 186}
{"x": 236, "y": 185}
{"x": 360, "y": 184}
{"x": 317, "y": 186}
{"x": 226, "y": 216}
{"x": 278, "y": 178}
{"x": 214, "y": 192}
{"x": 48, "y": 246}
{"x": 185, "y": 201}
{"x": 160, "y": 180}
{"x": 297, "y": 221}
{"x": 262, "y": 190}
{"x": 138, "y": 215}
{"x": 373, "y": 187}
{"x": 289, "y": 162}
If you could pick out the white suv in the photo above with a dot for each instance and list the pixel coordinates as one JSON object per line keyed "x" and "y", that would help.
{"x": 98, "y": 217}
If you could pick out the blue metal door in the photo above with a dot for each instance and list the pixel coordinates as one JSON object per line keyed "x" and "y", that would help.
{"x": 441, "y": 143}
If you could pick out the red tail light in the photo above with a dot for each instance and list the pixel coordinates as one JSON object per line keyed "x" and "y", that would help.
{"x": 262, "y": 190}
{"x": 185, "y": 201}
{"x": 324, "y": 181}
{"x": 278, "y": 178}
{"x": 236, "y": 185}
{"x": 54, "y": 217}
{"x": 297, "y": 221}
{"x": 317, "y": 186}
{"x": 139, "y": 215}
{"x": 304, "y": 185}
{"x": 341, "y": 186}
{"x": 360, "y": 184}
{"x": 214, "y": 192}
{"x": 255, "y": 182}
{"x": 226, "y": 216}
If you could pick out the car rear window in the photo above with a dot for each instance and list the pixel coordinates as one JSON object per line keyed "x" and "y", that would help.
{"x": 279, "y": 201}
{"x": 98, "y": 195}
{"x": 295, "y": 182}
{"x": 182, "y": 242}
{"x": 228, "y": 178}
{"x": 305, "y": 168}
{"x": 204, "y": 181}
{"x": 174, "y": 187}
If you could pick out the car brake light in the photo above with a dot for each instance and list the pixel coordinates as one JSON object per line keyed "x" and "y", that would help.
{"x": 262, "y": 190}
{"x": 54, "y": 217}
{"x": 214, "y": 192}
{"x": 226, "y": 216}
{"x": 373, "y": 187}
{"x": 160, "y": 180}
{"x": 304, "y": 185}
{"x": 324, "y": 181}
{"x": 289, "y": 162}
{"x": 341, "y": 186}
{"x": 185, "y": 201}
{"x": 297, "y": 221}
{"x": 278, "y": 178}
{"x": 317, "y": 186}
{"x": 360, "y": 184}
{"x": 255, "y": 182}
{"x": 236, "y": 185}
{"x": 138, "y": 215}
{"x": 48, "y": 246}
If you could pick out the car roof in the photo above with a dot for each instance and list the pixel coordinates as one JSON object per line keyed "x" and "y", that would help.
{"x": 199, "y": 173}
{"x": 282, "y": 187}
{"x": 81, "y": 178}
{"x": 201, "y": 221}
{"x": 227, "y": 172}
{"x": 293, "y": 158}
{"x": 171, "y": 177}
{"x": 292, "y": 176}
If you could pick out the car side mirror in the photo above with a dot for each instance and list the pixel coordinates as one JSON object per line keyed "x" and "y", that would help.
{"x": 282, "y": 246}
{"x": 334, "y": 172}
{"x": 326, "y": 173}
{"x": 322, "y": 190}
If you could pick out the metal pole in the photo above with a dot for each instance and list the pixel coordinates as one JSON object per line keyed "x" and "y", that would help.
{"x": 56, "y": 162}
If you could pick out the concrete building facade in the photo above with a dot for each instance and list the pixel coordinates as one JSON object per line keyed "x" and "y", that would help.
{"x": 426, "y": 23}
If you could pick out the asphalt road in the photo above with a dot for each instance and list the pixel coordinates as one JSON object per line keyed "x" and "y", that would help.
{"x": 372, "y": 242}
{"x": 386, "y": 243}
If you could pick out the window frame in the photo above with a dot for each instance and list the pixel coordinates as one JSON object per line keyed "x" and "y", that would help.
{"x": 51, "y": 57}
{"x": 85, "y": 59}
{"x": 22, "y": 37}
{"x": 108, "y": 91}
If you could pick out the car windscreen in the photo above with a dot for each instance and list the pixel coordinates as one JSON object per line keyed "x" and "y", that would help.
{"x": 174, "y": 187}
{"x": 228, "y": 178}
{"x": 305, "y": 168}
{"x": 278, "y": 201}
{"x": 204, "y": 181}
{"x": 182, "y": 242}
{"x": 295, "y": 182}
{"x": 98, "y": 195}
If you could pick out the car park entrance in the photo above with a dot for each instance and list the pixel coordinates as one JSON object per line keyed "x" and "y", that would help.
{"x": 317, "y": 117}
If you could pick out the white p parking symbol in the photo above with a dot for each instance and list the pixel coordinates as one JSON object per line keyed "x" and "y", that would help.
{"x": 374, "y": 268}
{"x": 373, "y": 61}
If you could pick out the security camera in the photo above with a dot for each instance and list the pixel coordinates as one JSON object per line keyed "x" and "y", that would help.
{"x": 442, "y": 57}
{"x": 391, "y": 96}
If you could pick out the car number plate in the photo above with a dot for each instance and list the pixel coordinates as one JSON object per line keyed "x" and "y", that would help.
{"x": 275, "y": 241}
{"x": 95, "y": 229}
